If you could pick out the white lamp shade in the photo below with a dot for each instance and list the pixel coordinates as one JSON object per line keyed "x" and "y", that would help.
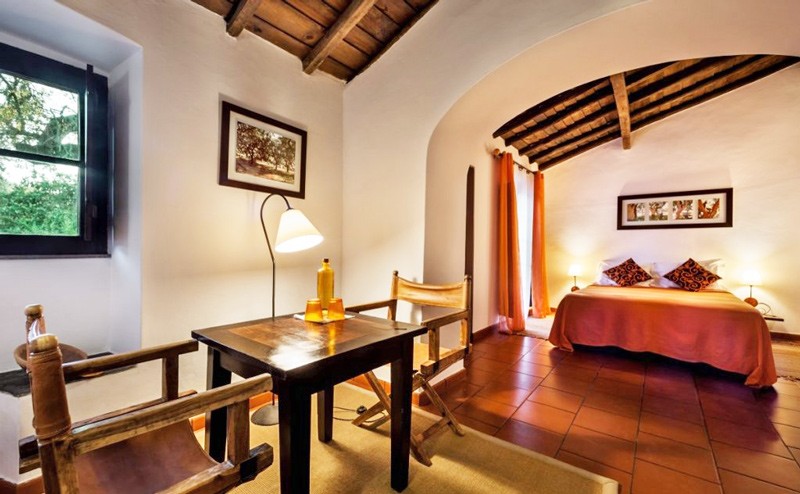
{"x": 295, "y": 232}
{"x": 575, "y": 270}
{"x": 751, "y": 277}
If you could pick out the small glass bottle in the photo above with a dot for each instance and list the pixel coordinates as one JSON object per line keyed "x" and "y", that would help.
{"x": 325, "y": 283}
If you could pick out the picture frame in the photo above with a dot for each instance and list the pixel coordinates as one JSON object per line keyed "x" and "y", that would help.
{"x": 688, "y": 209}
{"x": 261, "y": 153}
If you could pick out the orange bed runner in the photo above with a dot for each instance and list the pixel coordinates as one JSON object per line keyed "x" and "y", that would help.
{"x": 710, "y": 326}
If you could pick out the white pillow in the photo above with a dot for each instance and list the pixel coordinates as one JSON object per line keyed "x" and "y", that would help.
{"x": 661, "y": 268}
{"x": 604, "y": 280}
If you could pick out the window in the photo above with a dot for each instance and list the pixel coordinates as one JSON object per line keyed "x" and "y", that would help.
{"x": 54, "y": 159}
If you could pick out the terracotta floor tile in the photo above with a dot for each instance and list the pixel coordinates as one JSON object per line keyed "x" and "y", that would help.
{"x": 624, "y": 478}
{"x": 544, "y": 416}
{"x": 679, "y": 430}
{"x": 612, "y": 403}
{"x": 796, "y": 453}
{"x": 518, "y": 380}
{"x": 734, "y": 483}
{"x": 488, "y": 364}
{"x": 789, "y": 434}
{"x": 671, "y": 408}
{"x": 608, "y": 450}
{"x": 608, "y": 423}
{"x": 625, "y": 361}
{"x": 504, "y": 393}
{"x": 575, "y": 372}
{"x": 480, "y": 377}
{"x": 745, "y": 436}
{"x": 458, "y": 393}
{"x": 531, "y": 368}
{"x": 785, "y": 416}
{"x": 734, "y": 410}
{"x": 779, "y": 400}
{"x": 676, "y": 455}
{"x": 618, "y": 388}
{"x": 763, "y": 466}
{"x": 649, "y": 478}
{"x": 588, "y": 361}
{"x": 789, "y": 388}
{"x": 542, "y": 359}
{"x": 547, "y": 349}
{"x": 675, "y": 390}
{"x": 567, "y": 384}
{"x": 487, "y": 411}
{"x": 629, "y": 377}
{"x": 726, "y": 388}
{"x": 475, "y": 424}
{"x": 530, "y": 437}
{"x": 502, "y": 355}
{"x": 556, "y": 398}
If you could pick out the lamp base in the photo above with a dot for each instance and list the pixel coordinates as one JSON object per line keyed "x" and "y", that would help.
{"x": 266, "y": 415}
{"x": 751, "y": 301}
{"x": 574, "y": 288}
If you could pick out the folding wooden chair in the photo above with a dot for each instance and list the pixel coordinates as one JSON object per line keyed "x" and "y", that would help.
{"x": 430, "y": 358}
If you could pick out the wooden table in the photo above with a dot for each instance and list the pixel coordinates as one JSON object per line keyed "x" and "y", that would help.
{"x": 305, "y": 358}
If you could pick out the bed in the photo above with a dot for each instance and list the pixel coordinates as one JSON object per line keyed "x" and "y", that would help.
{"x": 710, "y": 326}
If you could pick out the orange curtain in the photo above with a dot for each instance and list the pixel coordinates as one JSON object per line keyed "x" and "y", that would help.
{"x": 510, "y": 303}
{"x": 541, "y": 299}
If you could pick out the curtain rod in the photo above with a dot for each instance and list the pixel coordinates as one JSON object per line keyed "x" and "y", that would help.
{"x": 497, "y": 153}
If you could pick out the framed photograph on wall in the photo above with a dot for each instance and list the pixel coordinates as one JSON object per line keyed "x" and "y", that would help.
{"x": 690, "y": 209}
{"x": 261, "y": 153}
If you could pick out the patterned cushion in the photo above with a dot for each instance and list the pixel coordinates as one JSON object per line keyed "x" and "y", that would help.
{"x": 691, "y": 276}
{"x": 627, "y": 274}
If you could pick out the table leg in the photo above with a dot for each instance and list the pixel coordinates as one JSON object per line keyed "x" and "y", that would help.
{"x": 216, "y": 420}
{"x": 325, "y": 415}
{"x": 294, "y": 429}
{"x": 401, "y": 415}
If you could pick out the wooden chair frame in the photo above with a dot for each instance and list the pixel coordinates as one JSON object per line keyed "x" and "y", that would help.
{"x": 58, "y": 442}
{"x": 454, "y": 296}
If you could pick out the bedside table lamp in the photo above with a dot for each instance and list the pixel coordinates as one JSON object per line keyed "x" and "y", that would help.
{"x": 574, "y": 271}
{"x": 753, "y": 278}
{"x": 295, "y": 233}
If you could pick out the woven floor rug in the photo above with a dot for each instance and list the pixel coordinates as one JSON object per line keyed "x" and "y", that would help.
{"x": 357, "y": 461}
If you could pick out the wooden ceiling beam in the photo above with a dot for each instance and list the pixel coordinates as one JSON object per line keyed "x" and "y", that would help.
{"x": 239, "y": 15}
{"x": 753, "y": 71}
{"x": 552, "y": 122}
{"x": 603, "y": 133}
{"x": 349, "y": 18}
{"x": 623, "y": 110}
{"x": 567, "y": 98}
{"x": 557, "y": 138}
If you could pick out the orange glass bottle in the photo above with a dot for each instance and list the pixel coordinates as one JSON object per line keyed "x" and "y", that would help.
{"x": 325, "y": 283}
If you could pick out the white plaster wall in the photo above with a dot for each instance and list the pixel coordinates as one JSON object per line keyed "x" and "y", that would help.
{"x": 613, "y": 43}
{"x": 391, "y": 111}
{"x": 204, "y": 260}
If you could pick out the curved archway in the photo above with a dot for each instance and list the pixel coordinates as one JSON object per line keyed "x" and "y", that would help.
{"x": 640, "y": 35}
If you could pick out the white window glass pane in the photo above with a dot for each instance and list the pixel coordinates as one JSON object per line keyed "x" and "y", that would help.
{"x": 38, "y": 198}
{"x": 37, "y": 118}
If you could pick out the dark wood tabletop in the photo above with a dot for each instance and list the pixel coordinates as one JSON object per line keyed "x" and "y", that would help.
{"x": 305, "y": 358}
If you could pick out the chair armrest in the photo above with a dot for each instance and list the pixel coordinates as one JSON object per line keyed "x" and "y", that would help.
{"x": 100, "y": 364}
{"x": 98, "y": 434}
{"x": 370, "y": 306}
{"x": 438, "y": 322}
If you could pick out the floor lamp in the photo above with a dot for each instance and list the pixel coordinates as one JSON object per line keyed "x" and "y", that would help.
{"x": 295, "y": 233}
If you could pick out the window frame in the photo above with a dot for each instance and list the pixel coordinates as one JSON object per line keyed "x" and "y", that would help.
{"x": 94, "y": 178}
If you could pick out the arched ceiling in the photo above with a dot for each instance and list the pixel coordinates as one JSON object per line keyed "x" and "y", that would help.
{"x": 612, "y": 107}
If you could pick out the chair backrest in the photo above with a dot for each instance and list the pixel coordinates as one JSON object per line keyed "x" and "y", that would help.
{"x": 451, "y": 295}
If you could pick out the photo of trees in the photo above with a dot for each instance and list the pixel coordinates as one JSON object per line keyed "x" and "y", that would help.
{"x": 265, "y": 154}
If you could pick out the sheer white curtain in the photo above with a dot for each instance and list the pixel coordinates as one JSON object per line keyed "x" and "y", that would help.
{"x": 524, "y": 185}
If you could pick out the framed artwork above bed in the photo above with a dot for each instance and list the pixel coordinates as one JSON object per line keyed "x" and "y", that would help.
{"x": 690, "y": 209}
